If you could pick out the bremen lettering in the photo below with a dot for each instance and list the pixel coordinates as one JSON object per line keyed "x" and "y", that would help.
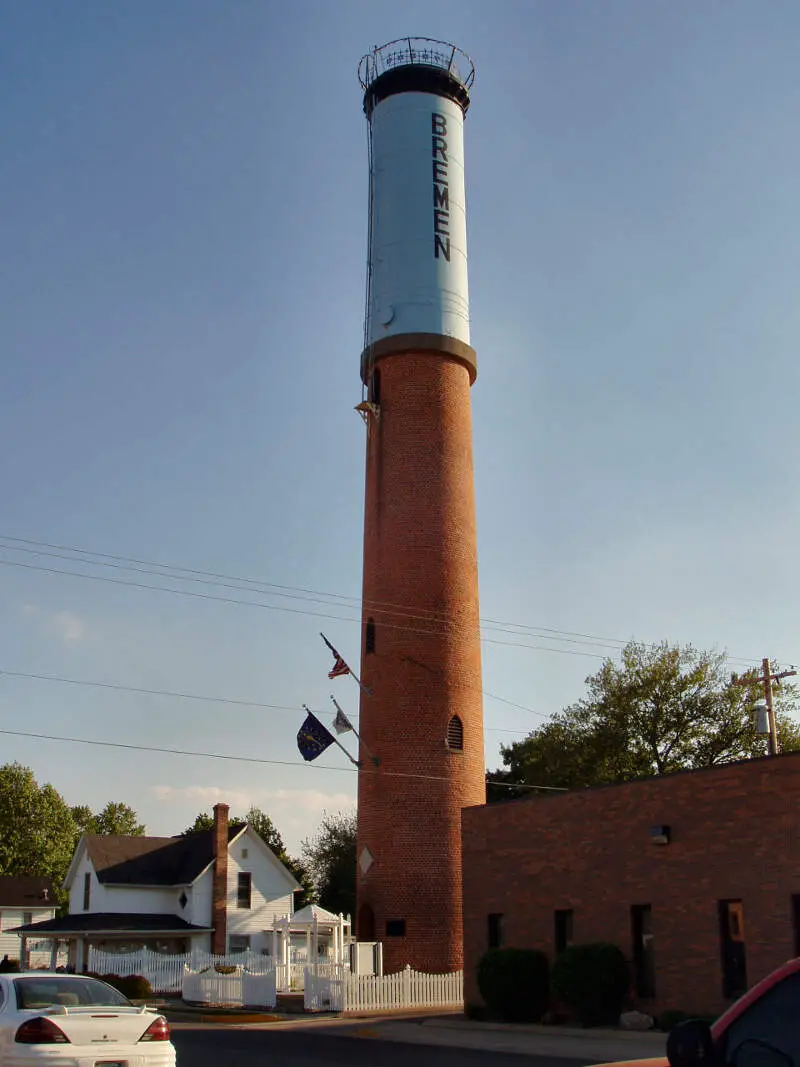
{"x": 441, "y": 188}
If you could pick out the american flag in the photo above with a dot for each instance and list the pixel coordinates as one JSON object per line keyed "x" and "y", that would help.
{"x": 339, "y": 668}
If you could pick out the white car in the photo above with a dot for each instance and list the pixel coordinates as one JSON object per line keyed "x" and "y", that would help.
{"x": 69, "y": 1020}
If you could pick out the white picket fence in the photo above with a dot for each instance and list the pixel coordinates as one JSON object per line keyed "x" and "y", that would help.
{"x": 344, "y": 991}
{"x": 240, "y": 989}
{"x": 165, "y": 973}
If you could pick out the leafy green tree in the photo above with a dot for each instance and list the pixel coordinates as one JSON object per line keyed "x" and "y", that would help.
{"x": 115, "y": 818}
{"x": 662, "y": 708}
{"x": 118, "y": 818}
{"x": 37, "y": 829}
{"x": 203, "y": 821}
{"x": 84, "y": 820}
{"x": 330, "y": 856}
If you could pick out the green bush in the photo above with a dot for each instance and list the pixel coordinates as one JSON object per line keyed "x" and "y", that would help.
{"x": 515, "y": 983}
{"x": 137, "y": 988}
{"x": 475, "y": 1012}
{"x": 133, "y": 986}
{"x": 593, "y": 981}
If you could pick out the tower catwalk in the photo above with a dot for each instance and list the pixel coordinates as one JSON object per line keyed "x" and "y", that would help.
{"x": 421, "y": 655}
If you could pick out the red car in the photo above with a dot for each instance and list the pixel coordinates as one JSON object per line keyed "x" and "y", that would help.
{"x": 762, "y": 1029}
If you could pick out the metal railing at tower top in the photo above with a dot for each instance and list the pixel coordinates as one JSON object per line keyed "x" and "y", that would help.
{"x": 416, "y": 51}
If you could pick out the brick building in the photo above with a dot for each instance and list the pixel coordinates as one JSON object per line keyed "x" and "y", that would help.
{"x": 696, "y": 876}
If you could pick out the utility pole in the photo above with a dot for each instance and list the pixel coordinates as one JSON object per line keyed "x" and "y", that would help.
{"x": 767, "y": 678}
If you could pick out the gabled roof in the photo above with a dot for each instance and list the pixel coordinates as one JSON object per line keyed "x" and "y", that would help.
{"x": 172, "y": 861}
{"x": 110, "y": 923}
{"x": 26, "y": 892}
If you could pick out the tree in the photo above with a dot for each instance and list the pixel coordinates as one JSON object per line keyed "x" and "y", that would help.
{"x": 331, "y": 858}
{"x": 37, "y": 830}
{"x": 118, "y": 818}
{"x": 663, "y": 708}
{"x": 115, "y": 818}
{"x": 203, "y": 821}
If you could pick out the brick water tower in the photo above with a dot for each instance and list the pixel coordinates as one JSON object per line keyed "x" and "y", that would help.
{"x": 421, "y": 653}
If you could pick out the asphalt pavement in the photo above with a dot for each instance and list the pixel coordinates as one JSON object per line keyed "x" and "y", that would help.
{"x": 235, "y": 1046}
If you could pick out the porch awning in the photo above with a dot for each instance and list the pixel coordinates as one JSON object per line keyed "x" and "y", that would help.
{"x": 110, "y": 924}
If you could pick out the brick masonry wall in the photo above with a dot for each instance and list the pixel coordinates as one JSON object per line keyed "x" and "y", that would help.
{"x": 421, "y": 590}
{"x": 735, "y": 833}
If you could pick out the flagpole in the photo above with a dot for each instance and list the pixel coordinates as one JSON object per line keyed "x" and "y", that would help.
{"x": 350, "y": 670}
{"x": 374, "y": 759}
{"x": 341, "y": 746}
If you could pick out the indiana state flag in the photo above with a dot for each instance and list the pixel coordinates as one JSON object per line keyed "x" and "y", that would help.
{"x": 313, "y": 738}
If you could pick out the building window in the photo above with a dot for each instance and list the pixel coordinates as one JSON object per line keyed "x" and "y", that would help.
{"x": 375, "y": 387}
{"x": 369, "y": 640}
{"x": 238, "y": 943}
{"x": 245, "y": 853}
{"x": 395, "y": 928}
{"x": 796, "y": 922}
{"x": 455, "y": 734}
{"x": 644, "y": 974}
{"x": 495, "y": 930}
{"x": 243, "y": 889}
{"x": 27, "y": 918}
{"x": 87, "y": 890}
{"x": 563, "y": 929}
{"x": 732, "y": 948}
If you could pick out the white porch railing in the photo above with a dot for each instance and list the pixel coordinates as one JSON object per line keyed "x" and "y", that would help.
{"x": 241, "y": 989}
{"x": 344, "y": 991}
{"x": 165, "y": 973}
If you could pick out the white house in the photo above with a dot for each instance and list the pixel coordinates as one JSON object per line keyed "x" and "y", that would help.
{"x": 24, "y": 901}
{"x": 219, "y": 890}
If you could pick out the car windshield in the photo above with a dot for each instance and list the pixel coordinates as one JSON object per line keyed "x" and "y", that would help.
{"x": 51, "y": 991}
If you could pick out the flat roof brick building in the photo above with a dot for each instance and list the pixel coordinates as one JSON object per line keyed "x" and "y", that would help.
{"x": 695, "y": 876}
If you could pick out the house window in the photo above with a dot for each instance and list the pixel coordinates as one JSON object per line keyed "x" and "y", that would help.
{"x": 732, "y": 948}
{"x": 87, "y": 890}
{"x": 455, "y": 735}
{"x": 238, "y": 943}
{"x": 644, "y": 974}
{"x": 395, "y": 928}
{"x": 563, "y": 929}
{"x": 243, "y": 889}
{"x": 369, "y": 640}
{"x": 245, "y": 853}
{"x": 27, "y": 918}
{"x": 495, "y": 930}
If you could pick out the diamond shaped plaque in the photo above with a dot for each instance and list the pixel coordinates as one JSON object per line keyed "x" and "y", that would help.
{"x": 365, "y": 860}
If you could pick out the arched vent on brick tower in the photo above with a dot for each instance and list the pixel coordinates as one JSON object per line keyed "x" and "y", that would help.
{"x": 369, "y": 640}
{"x": 366, "y": 923}
{"x": 455, "y": 734}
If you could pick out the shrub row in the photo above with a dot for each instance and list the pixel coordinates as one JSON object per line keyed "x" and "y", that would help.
{"x": 590, "y": 980}
{"x": 133, "y": 986}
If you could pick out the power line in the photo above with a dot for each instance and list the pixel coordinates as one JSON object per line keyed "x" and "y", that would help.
{"x": 179, "y": 695}
{"x": 275, "y": 589}
{"x": 272, "y": 607}
{"x": 241, "y": 759}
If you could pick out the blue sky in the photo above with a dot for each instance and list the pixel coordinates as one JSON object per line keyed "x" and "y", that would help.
{"x": 181, "y": 299}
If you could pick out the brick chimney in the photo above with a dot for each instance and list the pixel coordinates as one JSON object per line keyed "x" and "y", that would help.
{"x": 219, "y": 906}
